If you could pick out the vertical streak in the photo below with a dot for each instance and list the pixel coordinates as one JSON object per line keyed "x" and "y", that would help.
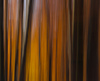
{"x": 77, "y": 28}
{"x": 28, "y": 48}
{"x": 59, "y": 42}
{"x": 49, "y": 37}
{"x": 68, "y": 38}
{"x": 34, "y": 57}
{"x": 99, "y": 45}
{"x": 28, "y": 51}
{"x": 19, "y": 52}
{"x": 48, "y": 40}
{"x": 65, "y": 40}
{"x": 86, "y": 13}
{"x": 54, "y": 39}
{"x": 20, "y": 35}
{"x": 25, "y": 22}
{"x": 14, "y": 34}
{"x": 4, "y": 31}
{"x": 9, "y": 45}
{"x": 72, "y": 23}
{"x": 43, "y": 46}
{"x": 69, "y": 46}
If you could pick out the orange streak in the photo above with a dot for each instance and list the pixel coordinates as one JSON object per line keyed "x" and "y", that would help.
{"x": 19, "y": 45}
{"x": 9, "y": 46}
{"x": 86, "y": 13}
{"x": 14, "y": 34}
{"x": 59, "y": 42}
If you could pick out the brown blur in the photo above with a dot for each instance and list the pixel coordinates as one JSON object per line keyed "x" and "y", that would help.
{"x": 50, "y": 40}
